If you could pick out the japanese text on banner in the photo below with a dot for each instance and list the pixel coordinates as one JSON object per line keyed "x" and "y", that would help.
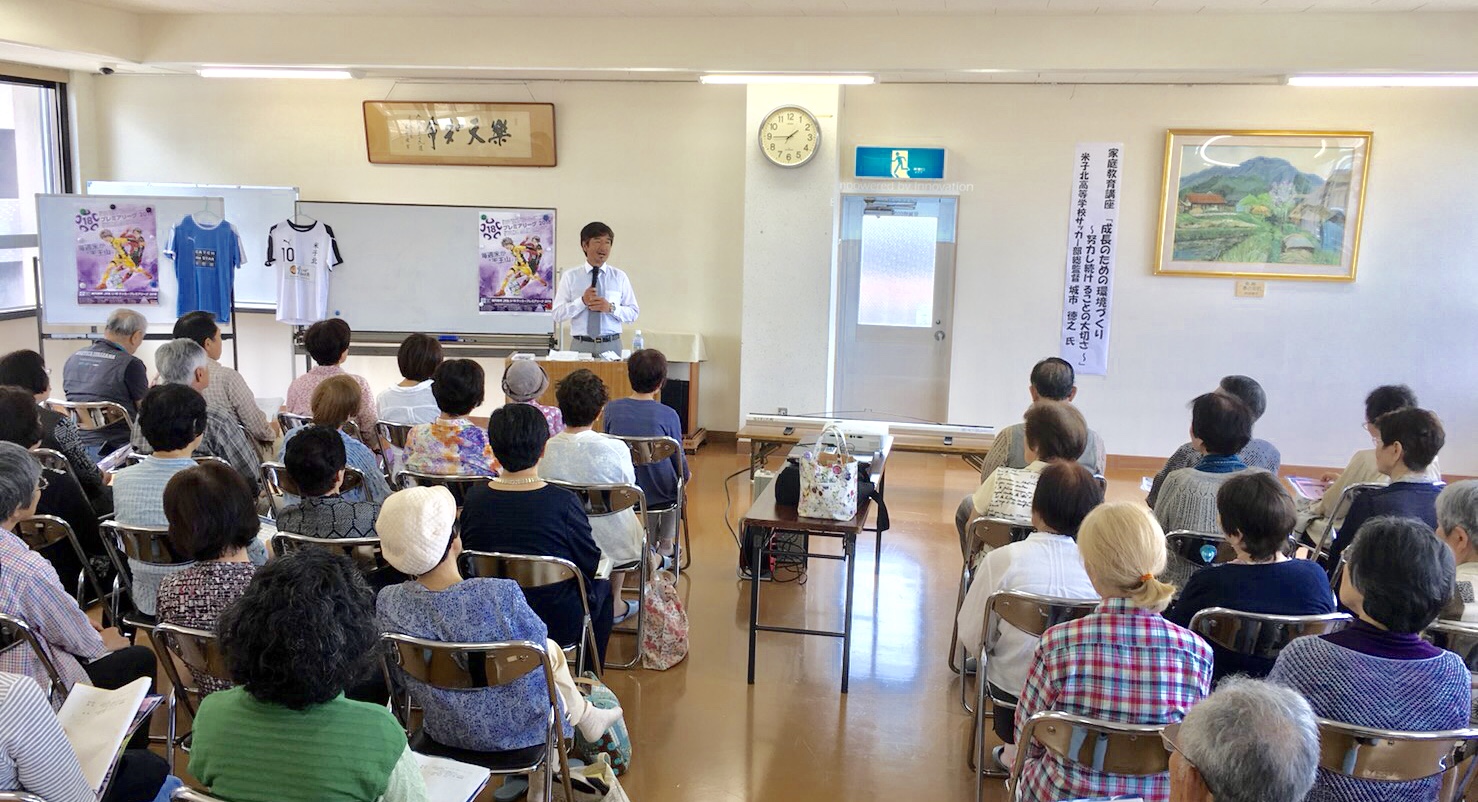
{"x": 1091, "y": 245}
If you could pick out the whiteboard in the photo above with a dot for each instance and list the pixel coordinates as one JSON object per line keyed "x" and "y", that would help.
{"x": 413, "y": 268}
{"x": 58, "y": 256}
{"x": 252, "y": 210}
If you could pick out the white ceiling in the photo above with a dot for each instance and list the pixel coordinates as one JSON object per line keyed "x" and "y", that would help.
{"x": 767, "y": 8}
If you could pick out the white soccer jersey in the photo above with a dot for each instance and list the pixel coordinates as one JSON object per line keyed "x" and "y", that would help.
{"x": 305, "y": 256}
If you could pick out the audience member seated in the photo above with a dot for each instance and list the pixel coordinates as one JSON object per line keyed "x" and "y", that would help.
{"x": 303, "y": 631}
{"x": 212, "y": 520}
{"x": 1362, "y": 468}
{"x": 183, "y": 362}
{"x": 1249, "y": 741}
{"x": 327, "y": 342}
{"x": 1457, "y": 524}
{"x": 1047, "y": 563}
{"x": 1379, "y": 672}
{"x": 1220, "y": 428}
{"x": 227, "y": 390}
{"x": 27, "y": 370}
{"x": 416, "y": 533}
{"x": 60, "y": 494}
{"x": 452, "y": 444}
{"x": 1409, "y": 441}
{"x": 518, "y": 513}
{"x": 524, "y": 381}
{"x": 1257, "y": 515}
{"x": 37, "y": 758}
{"x": 644, "y": 415}
{"x": 335, "y": 401}
{"x": 108, "y": 371}
{"x": 411, "y": 401}
{"x": 315, "y": 460}
{"x": 1052, "y": 379}
{"x": 1124, "y": 662}
{"x": 581, "y": 455}
{"x": 29, "y": 589}
{"x": 1053, "y": 431}
{"x": 1255, "y": 454}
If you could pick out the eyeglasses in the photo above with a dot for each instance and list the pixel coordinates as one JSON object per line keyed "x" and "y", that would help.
{"x": 1170, "y": 736}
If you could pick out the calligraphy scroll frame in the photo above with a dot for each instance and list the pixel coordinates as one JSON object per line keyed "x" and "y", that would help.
{"x": 415, "y": 132}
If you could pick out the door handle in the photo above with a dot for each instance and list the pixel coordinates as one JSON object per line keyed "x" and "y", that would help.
{"x": 939, "y": 336}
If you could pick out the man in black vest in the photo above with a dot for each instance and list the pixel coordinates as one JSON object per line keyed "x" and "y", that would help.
{"x": 109, "y": 371}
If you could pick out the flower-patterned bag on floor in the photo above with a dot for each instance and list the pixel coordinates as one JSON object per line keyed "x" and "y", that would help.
{"x": 664, "y": 641}
{"x": 614, "y": 743}
{"x": 829, "y": 479}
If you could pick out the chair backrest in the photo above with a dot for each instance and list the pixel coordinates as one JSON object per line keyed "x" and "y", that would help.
{"x": 365, "y": 552}
{"x": 1261, "y": 634}
{"x": 279, "y": 482}
{"x": 1457, "y": 637}
{"x": 528, "y": 570}
{"x": 92, "y": 415}
{"x": 1342, "y": 509}
{"x": 1391, "y": 755}
{"x": 199, "y": 650}
{"x": 1033, "y": 613}
{"x": 1105, "y": 747}
{"x": 393, "y": 434}
{"x": 650, "y": 450}
{"x": 146, "y": 544}
{"x": 607, "y": 499}
{"x": 467, "y": 666}
{"x": 458, "y": 483}
{"x": 15, "y": 633}
{"x": 1200, "y": 548}
{"x": 53, "y": 459}
{"x": 288, "y": 421}
{"x": 19, "y": 796}
{"x": 43, "y": 531}
{"x": 993, "y": 532}
{"x": 187, "y": 794}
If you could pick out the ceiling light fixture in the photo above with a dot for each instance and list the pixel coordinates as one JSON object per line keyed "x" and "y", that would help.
{"x": 273, "y": 72}
{"x": 1414, "y": 80}
{"x": 786, "y": 78}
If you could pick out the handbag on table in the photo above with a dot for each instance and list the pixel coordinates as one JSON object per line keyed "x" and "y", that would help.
{"x": 829, "y": 479}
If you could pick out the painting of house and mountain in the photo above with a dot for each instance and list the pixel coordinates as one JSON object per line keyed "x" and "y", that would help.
{"x": 1269, "y": 206}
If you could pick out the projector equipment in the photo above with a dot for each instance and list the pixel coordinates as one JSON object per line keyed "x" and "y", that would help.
{"x": 943, "y": 431}
{"x": 762, "y": 479}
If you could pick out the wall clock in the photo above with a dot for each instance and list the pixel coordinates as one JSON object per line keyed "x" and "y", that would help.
{"x": 789, "y": 136}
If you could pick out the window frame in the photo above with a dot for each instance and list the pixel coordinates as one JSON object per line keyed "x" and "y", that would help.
{"x": 65, "y": 168}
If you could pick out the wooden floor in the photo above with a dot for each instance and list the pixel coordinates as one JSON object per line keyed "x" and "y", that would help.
{"x": 700, "y": 732}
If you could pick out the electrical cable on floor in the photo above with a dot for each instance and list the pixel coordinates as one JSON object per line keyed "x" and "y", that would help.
{"x": 795, "y": 566}
{"x": 728, "y": 505}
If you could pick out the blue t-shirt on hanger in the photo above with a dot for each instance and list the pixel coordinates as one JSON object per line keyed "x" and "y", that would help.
{"x": 205, "y": 262}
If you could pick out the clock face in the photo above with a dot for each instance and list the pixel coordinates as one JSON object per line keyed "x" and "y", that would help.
{"x": 789, "y": 136}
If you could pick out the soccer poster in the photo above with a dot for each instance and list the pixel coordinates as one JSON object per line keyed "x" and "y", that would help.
{"x": 515, "y": 260}
{"x": 117, "y": 255}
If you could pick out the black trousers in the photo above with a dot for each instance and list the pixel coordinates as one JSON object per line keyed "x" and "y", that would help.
{"x": 113, "y": 671}
{"x": 1005, "y": 717}
{"x": 139, "y": 776}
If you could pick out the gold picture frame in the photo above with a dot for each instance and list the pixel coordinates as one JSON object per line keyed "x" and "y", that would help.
{"x": 460, "y": 133}
{"x": 1262, "y": 204}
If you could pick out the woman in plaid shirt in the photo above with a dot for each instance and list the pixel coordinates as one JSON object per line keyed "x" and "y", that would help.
{"x": 1122, "y": 663}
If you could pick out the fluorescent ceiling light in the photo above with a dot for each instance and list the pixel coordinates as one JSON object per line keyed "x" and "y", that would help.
{"x": 1448, "y": 79}
{"x": 273, "y": 72}
{"x": 786, "y": 78}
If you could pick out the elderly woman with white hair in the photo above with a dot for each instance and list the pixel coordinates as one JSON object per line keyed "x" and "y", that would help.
{"x": 1457, "y": 525}
{"x": 1249, "y": 741}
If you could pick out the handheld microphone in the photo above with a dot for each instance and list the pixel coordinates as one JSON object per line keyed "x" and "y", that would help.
{"x": 594, "y": 277}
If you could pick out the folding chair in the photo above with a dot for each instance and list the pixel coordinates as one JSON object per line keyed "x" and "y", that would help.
{"x": 44, "y": 531}
{"x": 144, "y": 544}
{"x": 19, "y": 796}
{"x": 191, "y": 795}
{"x": 201, "y": 653}
{"x": 458, "y": 483}
{"x": 1033, "y": 614}
{"x": 15, "y": 633}
{"x": 475, "y": 666}
{"x": 280, "y": 484}
{"x": 603, "y": 500}
{"x": 287, "y": 421}
{"x": 1200, "y": 548}
{"x": 1261, "y": 635}
{"x": 90, "y": 416}
{"x": 979, "y": 533}
{"x": 364, "y": 552}
{"x": 1341, "y": 510}
{"x": 531, "y": 571}
{"x": 53, "y": 459}
{"x": 1102, "y": 746}
{"x": 392, "y": 438}
{"x": 1458, "y": 637}
{"x": 1365, "y": 753}
{"x": 651, "y": 451}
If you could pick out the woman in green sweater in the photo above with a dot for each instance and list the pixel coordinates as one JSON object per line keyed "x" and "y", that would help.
{"x": 303, "y": 630}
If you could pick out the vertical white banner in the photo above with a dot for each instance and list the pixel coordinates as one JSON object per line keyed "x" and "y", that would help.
{"x": 1092, "y": 242}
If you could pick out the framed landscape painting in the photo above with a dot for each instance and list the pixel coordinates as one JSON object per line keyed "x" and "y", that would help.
{"x": 1262, "y": 204}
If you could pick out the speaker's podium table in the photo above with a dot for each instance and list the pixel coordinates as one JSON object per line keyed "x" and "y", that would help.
{"x": 769, "y": 517}
{"x": 684, "y": 352}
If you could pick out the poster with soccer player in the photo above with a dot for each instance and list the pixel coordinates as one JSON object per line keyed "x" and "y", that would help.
{"x": 515, "y": 260}
{"x": 117, "y": 256}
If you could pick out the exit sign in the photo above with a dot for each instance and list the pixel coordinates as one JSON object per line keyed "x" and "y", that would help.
{"x": 910, "y": 164}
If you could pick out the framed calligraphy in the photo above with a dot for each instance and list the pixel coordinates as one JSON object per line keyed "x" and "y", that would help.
{"x": 1263, "y": 204}
{"x": 472, "y": 134}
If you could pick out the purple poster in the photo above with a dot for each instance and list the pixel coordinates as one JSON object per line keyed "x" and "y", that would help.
{"x": 515, "y": 260}
{"x": 117, "y": 256}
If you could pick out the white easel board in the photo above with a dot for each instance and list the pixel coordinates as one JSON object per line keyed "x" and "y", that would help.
{"x": 55, "y": 216}
{"x": 253, "y": 210}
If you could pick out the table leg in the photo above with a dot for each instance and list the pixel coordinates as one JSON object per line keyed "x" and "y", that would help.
{"x": 849, "y": 551}
{"x": 754, "y": 597}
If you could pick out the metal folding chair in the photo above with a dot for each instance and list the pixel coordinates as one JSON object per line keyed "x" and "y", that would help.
{"x": 201, "y": 654}
{"x": 458, "y": 483}
{"x": 145, "y": 544}
{"x": 1458, "y": 637}
{"x": 280, "y": 484}
{"x": 1200, "y": 548}
{"x": 91, "y": 416}
{"x": 603, "y": 500}
{"x": 979, "y": 533}
{"x": 392, "y": 438}
{"x": 43, "y": 531}
{"x": 15, "y": 633}
{"x": 52, "y": 459}
{"x": 364, "y": 552}
{"x": 1106, "y": 747}
{"x": 474, "y": 666}
{"x": 1261, "y": 635}
{"x": 191, "y": 795}
{"x": 537, "y": 571}
{"x": 19, "y": 796}
{"x": 651, "y": 451}
{"x": 1341, "y": 510}
{"x": 1378, "y": 755}
{"x": 287, "y": 421}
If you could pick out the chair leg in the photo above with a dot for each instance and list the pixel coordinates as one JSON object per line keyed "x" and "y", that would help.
{"x": 683, "y": 559}
{"x": 169, "y": 712}
{"x": 644, "y": 574}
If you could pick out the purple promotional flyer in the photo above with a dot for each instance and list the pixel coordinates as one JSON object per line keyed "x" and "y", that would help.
{"x": 515, "y": 260}
{"x": 117, "y": 255}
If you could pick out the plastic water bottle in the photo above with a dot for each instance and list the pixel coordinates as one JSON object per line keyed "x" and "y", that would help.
{"x": 636, "y": 341}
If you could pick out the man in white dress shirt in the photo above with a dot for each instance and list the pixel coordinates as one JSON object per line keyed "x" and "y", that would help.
{"x": 595, "y": 297}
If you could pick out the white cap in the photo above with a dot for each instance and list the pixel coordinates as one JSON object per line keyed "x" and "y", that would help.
{"x": 415, "y": 526}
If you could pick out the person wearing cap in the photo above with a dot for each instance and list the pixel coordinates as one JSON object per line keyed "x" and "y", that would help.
{"x": 523, "y": 382}
{"x": 417, "y": 538}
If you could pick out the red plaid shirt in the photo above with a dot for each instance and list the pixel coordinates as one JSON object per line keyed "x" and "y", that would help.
{"x": 1122, "y": 664}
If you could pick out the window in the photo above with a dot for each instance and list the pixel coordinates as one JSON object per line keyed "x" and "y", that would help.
{"x": 32, "y": 141}
{"x": 896, "y": 287}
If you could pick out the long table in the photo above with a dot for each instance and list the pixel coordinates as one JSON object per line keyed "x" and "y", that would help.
{"x": 765, "y": 514}
{"x": 766, "y": 439}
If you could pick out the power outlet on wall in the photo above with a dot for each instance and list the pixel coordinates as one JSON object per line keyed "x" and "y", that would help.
{"x": 1251, "y": 288}
{"x": 782, "y": 410}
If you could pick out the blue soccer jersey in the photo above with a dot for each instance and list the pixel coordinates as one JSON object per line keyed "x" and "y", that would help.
{"x": 205, "y": 262}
